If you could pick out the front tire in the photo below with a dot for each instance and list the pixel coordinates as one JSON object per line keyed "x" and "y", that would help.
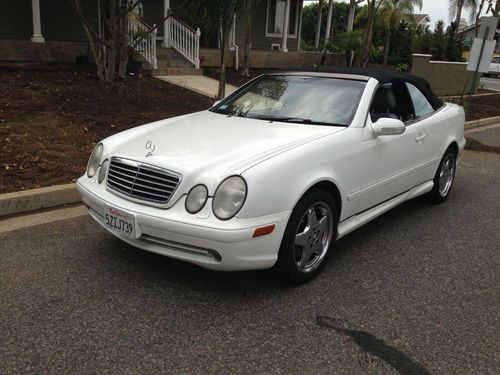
{"x": 444, "y": 178}
{"x": 308, "y": 238}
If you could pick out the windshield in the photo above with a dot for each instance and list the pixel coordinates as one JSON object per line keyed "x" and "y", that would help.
{"x": 297, "y": 99}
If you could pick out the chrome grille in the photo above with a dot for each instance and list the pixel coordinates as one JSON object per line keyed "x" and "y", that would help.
{"x": 141, "y": 181}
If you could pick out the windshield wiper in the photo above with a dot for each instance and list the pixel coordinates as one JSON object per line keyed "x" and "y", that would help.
{"x": 297, "y": 120}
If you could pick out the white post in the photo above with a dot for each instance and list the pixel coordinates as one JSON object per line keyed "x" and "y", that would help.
{"x": 166, "y": 24}
{"x": 285, "y": 27}
{"x": 155, "y": 61}
{"x": 197, "y": 49}
{"x": 328, "y": 21}
{"x": 37, "y": 25}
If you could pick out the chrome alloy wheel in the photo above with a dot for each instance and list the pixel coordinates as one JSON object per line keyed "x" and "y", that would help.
{"x": 313, "y": 237}
{"x": 446, "y": 174}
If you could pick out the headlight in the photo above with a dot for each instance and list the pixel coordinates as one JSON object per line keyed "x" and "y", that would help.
{"x": 95, "y": 160}
{"x": 229, "y": 197}
{"x": 196, "y": 199}
{"x": 102, "y": 171}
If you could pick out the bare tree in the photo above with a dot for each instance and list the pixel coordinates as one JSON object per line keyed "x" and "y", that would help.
{"x": 223, "y": 11}
{"x": 249, "y": 9}
{"x": 111, "y": 44}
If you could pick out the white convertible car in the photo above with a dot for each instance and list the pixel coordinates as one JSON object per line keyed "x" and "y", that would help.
{"x": 276, "y": 172}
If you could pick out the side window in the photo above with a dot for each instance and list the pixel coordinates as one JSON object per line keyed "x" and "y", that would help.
{"x": 420, "y": 103}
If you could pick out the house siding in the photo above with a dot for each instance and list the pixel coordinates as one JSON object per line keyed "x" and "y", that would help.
{"x": 58, "y": 18}
{"x": 259, "y": 39}
{"x": 153, "y": 13}
{"x": 60, "y": 21}
{"x": 16, "y": 20}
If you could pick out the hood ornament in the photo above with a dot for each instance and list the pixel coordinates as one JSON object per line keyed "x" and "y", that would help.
{"x": 150, "y": 147}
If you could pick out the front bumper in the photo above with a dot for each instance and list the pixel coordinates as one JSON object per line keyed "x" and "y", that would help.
{"x": 201, "y": 239}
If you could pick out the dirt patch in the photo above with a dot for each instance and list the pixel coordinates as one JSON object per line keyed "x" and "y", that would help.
{"x": 51, "y": 120}
{"x": 482, "y": 106}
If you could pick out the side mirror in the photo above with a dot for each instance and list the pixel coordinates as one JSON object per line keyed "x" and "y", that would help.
{"x": 388, "y": 126}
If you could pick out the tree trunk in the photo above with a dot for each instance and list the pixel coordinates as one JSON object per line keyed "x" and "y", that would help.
{"x": 350, "y": 17}
{"x": 222, "y": 78}
{"x": 248, "y": 47}
{"x": 123, "y": 52}
{"x": 368, "y": 33}
{"x": 111, "y": 53}
{"x": 460, "y": 4}
{"x": 387, "y": 46}
{"x": 318, "y": 24}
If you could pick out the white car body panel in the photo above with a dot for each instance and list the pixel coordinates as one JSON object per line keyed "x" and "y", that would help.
{"x": 280, "y": 162}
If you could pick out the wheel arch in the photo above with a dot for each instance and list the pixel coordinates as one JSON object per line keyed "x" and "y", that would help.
{"x": 454, "y": 146}
{"x": 328, "y": 186}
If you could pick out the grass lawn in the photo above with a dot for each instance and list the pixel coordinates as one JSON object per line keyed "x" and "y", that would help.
{"x": 51, "y": 120}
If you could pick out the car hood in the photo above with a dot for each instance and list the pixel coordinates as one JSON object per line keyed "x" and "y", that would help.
{"x": 210, "y": 144}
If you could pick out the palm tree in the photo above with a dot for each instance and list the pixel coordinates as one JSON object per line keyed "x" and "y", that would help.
{"x": 393, "y": 12}
{"x": 455, "y": 8}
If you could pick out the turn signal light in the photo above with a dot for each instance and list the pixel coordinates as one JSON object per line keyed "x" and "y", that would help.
{"x": 262, "y": 231}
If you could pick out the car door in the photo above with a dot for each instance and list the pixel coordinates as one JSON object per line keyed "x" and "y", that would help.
{"x": 387, "y": 161}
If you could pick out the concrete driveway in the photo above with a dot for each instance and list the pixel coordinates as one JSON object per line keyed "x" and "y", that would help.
{"x": 414, "y": 292}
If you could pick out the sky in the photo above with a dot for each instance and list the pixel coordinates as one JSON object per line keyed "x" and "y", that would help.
{"x": 436, "y": 9}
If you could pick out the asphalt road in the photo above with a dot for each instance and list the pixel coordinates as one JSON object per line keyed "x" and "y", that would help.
{"x": 414, "y": 292}
{"x": 491, "y": 83}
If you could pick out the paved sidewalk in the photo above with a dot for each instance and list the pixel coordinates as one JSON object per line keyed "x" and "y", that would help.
{"x": 488, "y": 136}
{"x": 484, "y": 139}
{"x": 201, "y": 84}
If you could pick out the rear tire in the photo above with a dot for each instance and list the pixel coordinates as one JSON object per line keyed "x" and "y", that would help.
{"x": 309, "y": 237}
{"x": 444, "y": 178}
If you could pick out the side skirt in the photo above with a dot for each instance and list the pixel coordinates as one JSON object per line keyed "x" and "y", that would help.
{"x": 356, "y": 221}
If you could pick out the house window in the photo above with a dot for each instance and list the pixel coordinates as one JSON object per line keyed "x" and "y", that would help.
{"x": 276, "y": 16}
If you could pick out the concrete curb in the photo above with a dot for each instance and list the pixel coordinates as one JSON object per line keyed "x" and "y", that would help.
{"x": 482, "y": 122}
{"x": 447, "y": 97}
{"x": 35, "y": 199}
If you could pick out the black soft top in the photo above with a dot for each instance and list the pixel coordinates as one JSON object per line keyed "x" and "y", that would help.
{"x": 383, "y": 76}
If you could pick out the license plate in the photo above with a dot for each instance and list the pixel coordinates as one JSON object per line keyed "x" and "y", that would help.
{"x": 120, "y": 221}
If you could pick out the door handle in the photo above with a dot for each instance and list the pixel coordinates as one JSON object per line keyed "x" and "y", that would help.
{"x": 420, "y": 138}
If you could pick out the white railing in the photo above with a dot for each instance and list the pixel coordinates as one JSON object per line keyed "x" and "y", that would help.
{"x": 184, "y": 40}
{"x": 142, "y": 38}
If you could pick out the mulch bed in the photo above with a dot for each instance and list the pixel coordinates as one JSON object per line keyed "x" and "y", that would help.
{"x": 51, "y": 120}
{"x": 480, "y": 107}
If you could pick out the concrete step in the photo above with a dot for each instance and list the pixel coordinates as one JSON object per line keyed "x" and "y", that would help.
{"x": 168, "y": 52}
{"x": 176, "y": 72}
{"x": 167, "y": 64}
{"x": 170, "y": 56}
